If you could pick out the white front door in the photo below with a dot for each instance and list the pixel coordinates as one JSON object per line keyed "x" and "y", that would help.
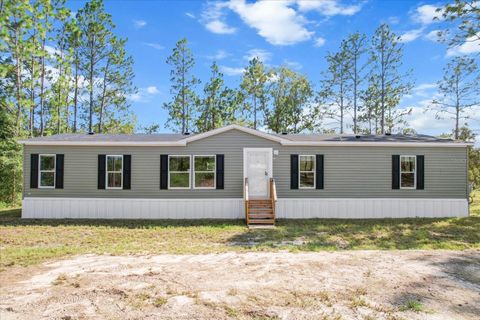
{"x": 257, "y": 167}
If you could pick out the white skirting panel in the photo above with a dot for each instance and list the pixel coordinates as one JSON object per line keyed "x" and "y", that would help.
{"x": 108, "y": 208}
{"x": 370, "y": 208}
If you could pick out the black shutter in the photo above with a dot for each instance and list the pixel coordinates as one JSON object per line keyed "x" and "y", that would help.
{"x": 34, "y": 170}
{"x": 420, "y": 172}
{"x": 395, "y": 171}
{"x": 59, "y": 171}
{"x": 127, "y": 169}
{"x": 164, "y": 171}
{"x": 319, "y": 171}
{"x": 220, "y": 171}
{"x": 294, "y": 171}
{"x": 101, "y": 171}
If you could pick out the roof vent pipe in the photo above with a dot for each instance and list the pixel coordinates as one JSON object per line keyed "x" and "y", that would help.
{"x": 357, "y": 137}
{"x": 284, "y": 133}
{"x": 91, "y": 133}
{"x": 186, "y": 133}
{"x": 388, "y": 133}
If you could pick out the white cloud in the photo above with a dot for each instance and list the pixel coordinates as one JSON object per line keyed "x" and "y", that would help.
{"x": 411, "y": 35}
{"x": 138, "y": 24}
{"x": 275, "y": 21}
{"x": 213, "y": 17}
{"x": 426, "y": 14}
{"x": 433, "y": 36}
{"x": 219, "y": 55}
{"x": 261, "y": 54}
{"x": 229, "y": 71}
{"x": 152, "y": 90}
{"x": 51, "y": 50}
{"x": 424, "y": 90}
{"x": 280, "y": 22}
{"x": 393, "y": 20}
{"x": 219, "y": 27}
{"x": 328, "y": 7}
{"x": 190, "y": 15}
{"x": 425, "y": 121}
{"x": 144, "y": 94}
{"x": 293, "y": 64}
{"x": 472, "y": 45}
{"x": 153, "y": 45}
{"x": 319, "y": 42}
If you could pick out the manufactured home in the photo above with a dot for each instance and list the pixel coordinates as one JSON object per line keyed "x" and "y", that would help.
{"x": 241, "y": 173}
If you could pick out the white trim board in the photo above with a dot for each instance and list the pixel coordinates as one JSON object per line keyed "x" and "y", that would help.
{"x": 233, "y": 208}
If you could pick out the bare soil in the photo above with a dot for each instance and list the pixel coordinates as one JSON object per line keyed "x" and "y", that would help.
{"x": 263, "y": 285}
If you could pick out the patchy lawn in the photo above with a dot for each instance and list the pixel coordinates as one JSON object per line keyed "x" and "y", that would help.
{"x": 26, "y": 242}
{"x": 348, "y": 285}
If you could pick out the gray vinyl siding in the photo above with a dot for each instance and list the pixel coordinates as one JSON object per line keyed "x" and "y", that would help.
{"x": 350, "y": 172}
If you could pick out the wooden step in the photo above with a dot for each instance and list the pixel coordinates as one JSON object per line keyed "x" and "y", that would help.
{"x": 261, "y": 210}
{"x": 260, "y": 216}
{"x": 261, "y": 221}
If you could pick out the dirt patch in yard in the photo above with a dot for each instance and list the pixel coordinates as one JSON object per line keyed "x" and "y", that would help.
{"x": 265, "y": 285}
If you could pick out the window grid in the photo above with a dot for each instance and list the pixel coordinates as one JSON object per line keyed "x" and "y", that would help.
{"x": 113, "y": 171}
{"x": 184, "y": 172}
{"x": 40, "y": 171}
{"x": 214, "y": 171}
{"x": 413, "y": 171}
{"x": 303, "y": 171}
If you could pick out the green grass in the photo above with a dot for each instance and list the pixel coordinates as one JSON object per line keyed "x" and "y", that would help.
{"x": 413, "y": 305}
{"x": 28, "y": 241}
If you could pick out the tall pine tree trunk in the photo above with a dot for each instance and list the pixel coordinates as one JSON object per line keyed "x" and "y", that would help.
{"x": 75, "y": 95}
{"x": 102, "y": 101}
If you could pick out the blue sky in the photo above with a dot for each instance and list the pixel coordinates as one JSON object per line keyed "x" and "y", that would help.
{"x": 296, "y": 33}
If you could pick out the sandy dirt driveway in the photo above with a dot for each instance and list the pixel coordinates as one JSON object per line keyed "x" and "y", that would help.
{"x": 265, "y": 285}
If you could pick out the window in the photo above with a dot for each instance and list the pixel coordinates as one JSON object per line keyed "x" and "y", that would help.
{"x": 204, "y": 172}
{"x": 307, "y": 172}
{"x": 179, "y": 172}
{"x": 114, "y": 174}
{"x": 46, "y": 172}
{"x": 407, "y": 172}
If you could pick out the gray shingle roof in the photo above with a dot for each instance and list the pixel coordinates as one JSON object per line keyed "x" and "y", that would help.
{"x": 289, "y": 139}
{"x": 136, "y": 137}
{"x": 363, "y": 138}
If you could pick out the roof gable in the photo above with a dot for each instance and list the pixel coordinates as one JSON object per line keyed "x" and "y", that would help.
{"x": 230, "y": 127}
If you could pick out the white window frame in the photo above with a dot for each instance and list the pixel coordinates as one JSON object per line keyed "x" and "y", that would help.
{"x": 107, "y": 172}
{"x": 314, "y": 171}
{"x": 40, "y": 170}
{"x": 414, "y": 172}
{"x": 189, "y": 171}
{"x": 214, "y": 171}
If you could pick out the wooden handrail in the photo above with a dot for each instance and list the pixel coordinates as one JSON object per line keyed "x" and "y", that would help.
{"x": 273, "y": 195}
{"x": 273, "y": 190}
{"x": 245, "y": 197}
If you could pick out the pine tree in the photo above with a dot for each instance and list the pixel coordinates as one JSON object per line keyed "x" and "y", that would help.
{"x": 386, "y": 58}
{"x": 335, "y": 86}
{"x": 219, "y": 104}
{"x": 459, "y": 89}
{"x": 96, "y": 33}
{"x": 253, "y": 86}
{"x": 183, "y": 83}
{"x": 355, "y": 47}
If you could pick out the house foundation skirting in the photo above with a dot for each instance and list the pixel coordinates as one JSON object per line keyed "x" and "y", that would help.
{"x": 351, "y": 208}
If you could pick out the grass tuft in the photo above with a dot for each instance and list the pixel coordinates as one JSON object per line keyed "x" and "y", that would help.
{"x": 29, "y": 241}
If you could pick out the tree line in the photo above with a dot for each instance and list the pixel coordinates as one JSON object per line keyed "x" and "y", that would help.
{"x": 69, "y": 72}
